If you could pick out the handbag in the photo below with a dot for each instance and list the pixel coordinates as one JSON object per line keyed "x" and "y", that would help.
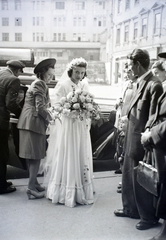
{"x": 147, "y": 174}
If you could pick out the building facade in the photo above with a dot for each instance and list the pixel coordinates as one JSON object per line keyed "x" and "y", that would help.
{"x": 134, "y": 24}
{"x": 53, "y": 28}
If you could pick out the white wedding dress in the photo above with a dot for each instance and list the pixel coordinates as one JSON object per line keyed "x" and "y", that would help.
{"x": 69, "y": 165}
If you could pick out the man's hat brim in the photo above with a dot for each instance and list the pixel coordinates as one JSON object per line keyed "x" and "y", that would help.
{"x": 162, "y": 54}
{"x": 44, "y": 63}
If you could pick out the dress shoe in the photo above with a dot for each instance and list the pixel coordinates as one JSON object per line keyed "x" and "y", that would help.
{"x": 119, "y": 190}
{"x": 32, "y": 193}
{"x": 118, "y": 171}
{"x": 120, "y": 213}
{"x": 146, "y": 225}
{"x": 8, "y": 190}
{"x": 9, "y": 184}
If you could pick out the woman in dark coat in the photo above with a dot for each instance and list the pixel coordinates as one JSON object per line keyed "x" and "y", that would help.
{"x": 155, "y": 135}
{"x": 33, "y": 122}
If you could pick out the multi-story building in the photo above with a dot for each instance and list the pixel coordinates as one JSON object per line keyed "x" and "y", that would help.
{"x": 134, "y": 24}
{"x": 63, "y": 29}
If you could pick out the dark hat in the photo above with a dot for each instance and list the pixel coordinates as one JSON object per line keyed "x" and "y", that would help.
{"x": 162, "y": 54}
{"x": 15, "y": 63}
{"x": 44, "y": 63}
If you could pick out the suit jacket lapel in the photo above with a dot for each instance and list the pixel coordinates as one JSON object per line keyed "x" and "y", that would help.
{"x": 139, "y": 91}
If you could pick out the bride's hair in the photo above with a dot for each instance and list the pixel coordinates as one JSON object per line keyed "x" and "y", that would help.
{"x": 77, "y": 62}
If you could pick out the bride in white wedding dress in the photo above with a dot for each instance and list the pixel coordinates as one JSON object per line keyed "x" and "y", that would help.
{"x": 69, "y": 174}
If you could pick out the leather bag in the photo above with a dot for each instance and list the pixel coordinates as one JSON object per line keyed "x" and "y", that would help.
{"x": 147, "y": 174}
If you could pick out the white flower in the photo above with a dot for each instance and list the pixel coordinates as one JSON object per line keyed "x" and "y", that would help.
{"x": 69, "y": 96}
{"x": 74, "y": 99}
{"x": 88, "y": 99}
{"x": 63, "y": 100}
{"x": 89, "y": 106}
{"x": 82, "y": 98}
{"x": 78, "y": 91}
{"x": 66, "y": 111}
{"x": 76, "y": 106}
{"x": 67, "y": 105}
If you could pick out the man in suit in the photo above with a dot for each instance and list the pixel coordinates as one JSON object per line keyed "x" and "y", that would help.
{"x": 137, "y": 202}
{"x": 9, "y": 89}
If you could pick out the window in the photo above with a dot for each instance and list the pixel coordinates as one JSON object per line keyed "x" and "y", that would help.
{"x": 144, "y": 27}
{"x": 18, "y": 21}
{"x": 100, "y": 5}
{"x": 5, "y": 21}
{"x": 126, "y": 33}
{"x": 95, "y": 22}
{"x": 4, "y": 4}
{"x": 37, "y": 5}
{"x": 127, "y": 4}
{"x": 33, "y": 21}
{"x": 91, "y": 58}
{"x": 5, "y": 37}
{"x": 59, "y": 22}
{"x": 118, "y": 36}
{"x": 79, "y": 5}
{"x": 17, "y": 4}
{"x": 18, "y": 37}
{"x": 119, "y": 6}
{"x": 42, "y": 21}
{"x": 59, "y": 37}
{"x": 157, "y": 23}
{"x": 94, "y": 37}
{"x": 60, "y": 5}
{"x": 64, "y": 36}
{"x": 55, "y": 22}
{"x": 99, "y": 21}
{"x": 37, "y": 21}
{"x": 59, "y": 54}
{"x": 37, "y": 37}
{"x": 135, "y": 30}
{"x": 136, "y": 1}
{"x": 79, "y": 21}
{"x": 34, "y": 37}
{"x": 54, "y": 37}
{"x": 74, "y": 36}
{"x": 42, "y": 37}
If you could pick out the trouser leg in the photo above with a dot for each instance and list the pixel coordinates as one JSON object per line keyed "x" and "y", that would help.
{"x": 145, "y": 202}
{"x": 4, "y": 156}
{"x": 128, "y": 197}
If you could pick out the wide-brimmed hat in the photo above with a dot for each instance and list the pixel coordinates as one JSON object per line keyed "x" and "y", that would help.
{"x": 44, "y": 63}
{"x": 162, "y": 54}
{"x": 15, "y": 63}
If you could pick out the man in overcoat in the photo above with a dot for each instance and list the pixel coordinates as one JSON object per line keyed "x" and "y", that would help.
{"x": 137, "y": 202}
{"x": 9, "y": 89}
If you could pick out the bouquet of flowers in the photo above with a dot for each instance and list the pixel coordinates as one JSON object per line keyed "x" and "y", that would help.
{"x": 78, "y": 104}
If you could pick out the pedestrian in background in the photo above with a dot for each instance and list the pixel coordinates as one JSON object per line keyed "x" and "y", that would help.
{"x": 159, "y": 70}
{"x": 137, "y": 202}
{"x": 33, "y": 123}
{"x": 9, "y": 90}
{"x": 119, "y": 155}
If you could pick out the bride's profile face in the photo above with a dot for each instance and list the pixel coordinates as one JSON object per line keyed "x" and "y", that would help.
{"x": 78, "y": 74}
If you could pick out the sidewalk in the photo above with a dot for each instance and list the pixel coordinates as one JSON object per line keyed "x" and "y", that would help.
{"x": 23, "y": 219}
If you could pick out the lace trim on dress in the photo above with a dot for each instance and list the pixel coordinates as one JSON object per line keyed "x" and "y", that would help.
{"x": 59, "y": 193}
